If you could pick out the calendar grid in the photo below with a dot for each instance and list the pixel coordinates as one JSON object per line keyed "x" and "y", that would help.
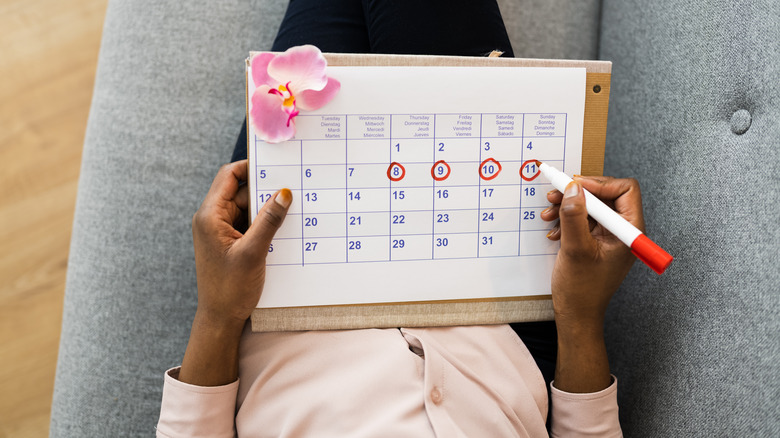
{"x": 479, "y": 187}
{"x": 410, "y": 234}
{"x": 448, "y": 186}
{"x": 542, "y": 254}
{"x": 565, "y": 126}
{"x": 346, "y": 190}
{"x": 303, "y": 251}
{"x": 390, "y": 199}
{"x": 433, "y": 195}
{"x": 408, "y": 162}
{"x": 520, "y": 216}
{"x": 421, "y": 184}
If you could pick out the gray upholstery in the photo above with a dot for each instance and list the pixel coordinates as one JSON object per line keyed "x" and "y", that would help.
{"x": 690, "y": 347}
{"x": 167, "y": 108}
{"x": 697, "y": 349}
{"x": 554, "y": 29}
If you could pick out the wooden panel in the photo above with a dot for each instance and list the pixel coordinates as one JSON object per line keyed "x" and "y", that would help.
{"x": 594, "y": 132}
{"x": 49, "y": 53}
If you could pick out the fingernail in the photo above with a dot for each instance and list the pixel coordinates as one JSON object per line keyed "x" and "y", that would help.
{"x": 552, "y": 192}
{"x": 572, "y": 190}
{"x": 547, "y": 210}
{"x": 553, "y": 232}
{"x": 284, "y": 198}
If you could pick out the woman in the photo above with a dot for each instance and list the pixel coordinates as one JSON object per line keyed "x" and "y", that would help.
{"x": 453, "y": 381}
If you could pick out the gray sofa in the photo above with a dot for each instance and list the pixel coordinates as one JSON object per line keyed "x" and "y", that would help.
{"x": 694, "y": 115}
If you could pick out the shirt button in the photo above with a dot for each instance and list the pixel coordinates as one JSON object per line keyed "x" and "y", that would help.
{"x": 436, "y": 395}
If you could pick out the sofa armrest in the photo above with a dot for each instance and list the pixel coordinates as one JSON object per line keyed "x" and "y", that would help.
{"x": 695, "y": 117}
{"x": 167, "y": 107}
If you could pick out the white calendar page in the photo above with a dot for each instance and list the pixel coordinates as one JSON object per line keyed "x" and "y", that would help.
{"x": 418, "y": 184}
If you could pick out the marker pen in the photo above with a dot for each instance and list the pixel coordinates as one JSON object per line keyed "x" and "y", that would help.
{"x": 651, "y": 254}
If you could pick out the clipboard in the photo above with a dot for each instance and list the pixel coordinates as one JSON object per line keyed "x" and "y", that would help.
{"x": 452, "y": 312}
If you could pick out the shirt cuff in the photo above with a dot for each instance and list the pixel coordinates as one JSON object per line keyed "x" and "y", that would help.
{"x": 196, "y": 411}
{"x": 585, "y": 415}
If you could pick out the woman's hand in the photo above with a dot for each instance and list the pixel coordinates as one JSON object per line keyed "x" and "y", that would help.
{"x": 590, "y": 266}
{"x": 231, "y": 272}
{"x": 230, "y": 265}
{"x": 592, "y": 262}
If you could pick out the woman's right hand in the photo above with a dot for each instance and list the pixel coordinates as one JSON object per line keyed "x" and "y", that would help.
{"x": 588, "y": 269}
{"x": 592, "y": 262}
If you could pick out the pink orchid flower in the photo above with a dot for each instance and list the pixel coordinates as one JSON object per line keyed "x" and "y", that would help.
{"x": 287, "y": 83}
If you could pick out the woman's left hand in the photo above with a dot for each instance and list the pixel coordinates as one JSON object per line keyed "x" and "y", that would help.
{"x": 230, "y": 265}
{"x": 230, "y": 268}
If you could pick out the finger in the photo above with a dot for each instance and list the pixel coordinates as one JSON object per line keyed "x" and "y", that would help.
{"x": 241, "y": 218}
{"x": 592, "y": 224}
{"x": 241, "y": 223}
{"x": 262, "y": 230}
{"x": 550, "y": 213}
{"x": 623, "y": 193}
{"x": 599, "y": 178}
{"x": 575, "y": 232}
{"x": 554, "y": 196}
{"x": 242, "y": 197}
{"x": 218, "y": 210}
{"x": 236, "y": 208}
{"x": 226, "y": 182}
{"x": 555, "y": 232}
{"x": 605, "y": 188}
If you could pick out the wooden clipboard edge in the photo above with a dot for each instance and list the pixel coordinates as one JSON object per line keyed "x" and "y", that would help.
{"x": 369, "y": 59}
{"x": 414, "y": 314}
{"x": 594, "y": 130}
{"x": 450, "y": 312}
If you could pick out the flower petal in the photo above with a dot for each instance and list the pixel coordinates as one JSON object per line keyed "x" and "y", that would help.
{"x": 302, "y": 66}
{"x": 310, "y": 100}
{"x": 269, "y": 118}
{"x": 260, "y": 70}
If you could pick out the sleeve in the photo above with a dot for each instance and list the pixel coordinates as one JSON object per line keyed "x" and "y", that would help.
{"x": 585, "y": 415}
{"x": 196, "y": 411}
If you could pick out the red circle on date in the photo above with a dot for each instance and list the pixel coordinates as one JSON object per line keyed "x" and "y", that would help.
{"x": 482, "y": 166}
{"x": 390, "y": 171}
{"x": 433, "y": 170}
{"x": 532, "y": 177}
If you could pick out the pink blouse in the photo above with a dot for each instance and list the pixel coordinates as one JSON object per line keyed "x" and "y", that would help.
{"x": 477, "y": 381}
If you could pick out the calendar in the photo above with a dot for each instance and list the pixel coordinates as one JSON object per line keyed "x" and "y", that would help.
{"x": 419, "y": 184}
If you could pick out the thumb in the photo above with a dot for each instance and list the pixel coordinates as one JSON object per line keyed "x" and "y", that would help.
{"x": 271, "y": 216}
{"x": 576, "y": 240}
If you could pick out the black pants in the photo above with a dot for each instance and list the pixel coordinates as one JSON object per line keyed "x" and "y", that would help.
{"x": 416, "y": 27}
{"x": 400, "y": 27}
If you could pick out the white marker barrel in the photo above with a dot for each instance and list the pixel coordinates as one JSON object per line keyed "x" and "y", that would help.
{"x": 647, "y": 251}
{"x": 621, "y": 228}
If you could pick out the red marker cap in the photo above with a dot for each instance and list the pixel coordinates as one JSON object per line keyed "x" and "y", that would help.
{"x": 650, "y": 253}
